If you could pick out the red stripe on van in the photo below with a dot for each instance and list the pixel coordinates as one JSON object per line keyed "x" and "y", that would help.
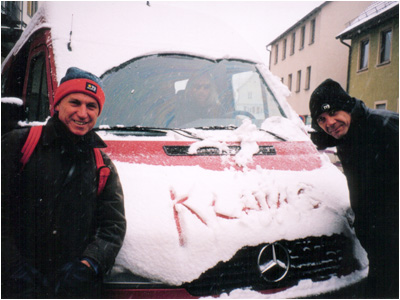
{"x": 290, "y": 156}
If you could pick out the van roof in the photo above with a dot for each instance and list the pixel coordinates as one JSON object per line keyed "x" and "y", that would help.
{"x": 103, "y": 35}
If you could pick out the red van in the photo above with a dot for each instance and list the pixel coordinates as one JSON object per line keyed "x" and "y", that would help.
{"x": 225, "y": 194}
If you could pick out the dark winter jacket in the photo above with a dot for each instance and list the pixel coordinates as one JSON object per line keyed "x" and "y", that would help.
{"x": 50, "y": 212}
{"x": 370, "y": 157}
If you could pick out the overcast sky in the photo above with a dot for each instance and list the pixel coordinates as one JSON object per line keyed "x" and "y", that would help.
{"x": 260, "y": 22}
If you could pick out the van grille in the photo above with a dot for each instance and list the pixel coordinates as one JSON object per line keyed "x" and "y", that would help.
{"x": 315, "y": 258}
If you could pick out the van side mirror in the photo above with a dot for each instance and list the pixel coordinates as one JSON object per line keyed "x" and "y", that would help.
{"x": 12, "y": 111}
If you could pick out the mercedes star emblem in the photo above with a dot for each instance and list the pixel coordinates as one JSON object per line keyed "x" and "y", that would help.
{"x": 273, "y": 262}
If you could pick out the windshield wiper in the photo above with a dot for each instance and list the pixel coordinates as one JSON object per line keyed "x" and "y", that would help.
{"x": 132, "y": 128}
{"x": 155, "y": 130}
{"x": 232, "y": 127}
{"x": 275, "y": 135}
{"x": 221, "y": 127}
{"x": 186, "y": 133}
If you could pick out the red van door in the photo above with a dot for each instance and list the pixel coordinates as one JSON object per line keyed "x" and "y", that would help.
{"x": 40, "y": 78}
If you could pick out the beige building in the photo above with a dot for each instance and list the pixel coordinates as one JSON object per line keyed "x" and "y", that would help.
{"x": 308, "y": 52}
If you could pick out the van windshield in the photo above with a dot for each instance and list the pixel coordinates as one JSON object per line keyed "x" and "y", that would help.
{"x": 180, "y": 91}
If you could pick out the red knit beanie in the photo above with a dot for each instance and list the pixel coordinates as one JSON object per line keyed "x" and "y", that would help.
{"x": 79, "y": 81}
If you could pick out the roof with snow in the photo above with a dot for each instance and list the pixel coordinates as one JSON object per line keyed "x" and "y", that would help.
{"x": 98, "y": 36}
{"x": 377, "y": 12}
{"x": 302, "y": 20}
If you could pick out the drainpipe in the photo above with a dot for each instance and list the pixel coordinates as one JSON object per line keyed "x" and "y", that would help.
{"x": 269, "y": 63}
{"x": 348, "y": 65}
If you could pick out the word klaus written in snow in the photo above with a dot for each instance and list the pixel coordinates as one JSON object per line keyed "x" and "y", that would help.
{"x": 260, "y": 203}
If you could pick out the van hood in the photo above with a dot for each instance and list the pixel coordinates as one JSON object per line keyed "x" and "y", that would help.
{"x": 197, "y": 210}
{"x": 183, "y": 220}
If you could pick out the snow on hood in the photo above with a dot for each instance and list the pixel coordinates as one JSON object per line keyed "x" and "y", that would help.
{"x": 99, "y": 40}
{"x": 248, "y": 135}
{"x": 180, "y": 216}
{"x": 190, "y": 216}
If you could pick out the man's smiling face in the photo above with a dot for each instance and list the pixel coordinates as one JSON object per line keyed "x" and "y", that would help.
{"x": 78, "y": 112}
{"x": 335, "y": 123}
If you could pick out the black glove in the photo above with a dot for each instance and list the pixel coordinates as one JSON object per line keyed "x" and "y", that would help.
{"x": 25, "y": 282}
{"x": 76, "y": 280}
{"x": 323, "y": 140}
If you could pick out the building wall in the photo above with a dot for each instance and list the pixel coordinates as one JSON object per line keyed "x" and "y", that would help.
{"x": 378, "y": 83}
{"x": 326, "y": 57}
{"x": 28, "y": 10}
{"x": 11, "y": 31}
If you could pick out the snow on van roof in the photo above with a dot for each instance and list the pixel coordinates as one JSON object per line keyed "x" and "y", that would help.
{"x": 98, "y": 36}
{"x": 103, "y": 35}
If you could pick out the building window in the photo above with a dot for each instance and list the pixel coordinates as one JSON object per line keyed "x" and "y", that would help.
{"x": 308, "y": 78}
{"x": 385, "y": 46}
{"x": 312, "y": 32}
{"x": 380, "y": 105}
{"x": 364, "y": 54}
{"x": 32, "y": 7}
{"x": 289, "y": 82}
{"x": 302, "y": 36}
{"x": 276, "y": 53}
{"x": 12, "y": 11}
{"x": 292, "y": 46}
{"x": 284, "y": 49}
{"x": 298, "y": 84}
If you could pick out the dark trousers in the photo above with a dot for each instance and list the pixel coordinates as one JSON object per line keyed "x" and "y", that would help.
{"x": 73, "y": 281}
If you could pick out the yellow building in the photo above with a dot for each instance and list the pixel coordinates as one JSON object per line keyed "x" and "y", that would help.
{"x": 374, "y": 55}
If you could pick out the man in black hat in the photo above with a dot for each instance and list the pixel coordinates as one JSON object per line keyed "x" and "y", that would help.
{"x": 367, "y": 143}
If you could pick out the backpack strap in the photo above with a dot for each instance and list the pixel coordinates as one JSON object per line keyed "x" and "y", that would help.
{"x": 32, "y": 141}
{"x": 30, "y": 144}
{"x": 103, "y": 170}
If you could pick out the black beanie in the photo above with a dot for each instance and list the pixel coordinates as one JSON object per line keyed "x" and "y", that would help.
{"x": 328, "y": 96}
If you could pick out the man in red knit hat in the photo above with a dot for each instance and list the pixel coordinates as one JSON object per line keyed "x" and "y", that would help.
{"x": 79, "y": 100}
{"x": 60, "y": 233}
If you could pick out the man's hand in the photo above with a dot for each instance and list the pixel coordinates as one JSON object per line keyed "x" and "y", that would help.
{"x": 77, "y": 279}
{"x": 86, "y": 263}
